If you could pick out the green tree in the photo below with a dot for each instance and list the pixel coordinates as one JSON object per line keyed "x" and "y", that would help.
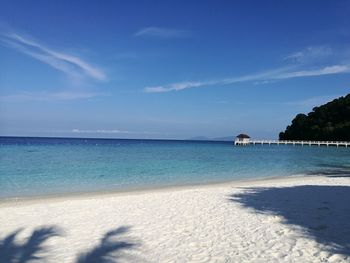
{"x": 328, "y": 122}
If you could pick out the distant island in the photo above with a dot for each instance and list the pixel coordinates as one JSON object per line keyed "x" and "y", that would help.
{"x": 329, "y": 122}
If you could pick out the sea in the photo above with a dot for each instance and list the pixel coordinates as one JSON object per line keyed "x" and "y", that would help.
{"x": 31, "y": 167}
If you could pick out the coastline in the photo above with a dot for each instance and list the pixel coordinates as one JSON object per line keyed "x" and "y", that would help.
{"x": 152, "y": 189}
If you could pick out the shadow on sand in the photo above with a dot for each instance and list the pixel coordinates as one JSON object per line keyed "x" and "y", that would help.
{"x": 322, "y": 211}
{"x": 32, "y": 249}
{"x": 111, "y": 248}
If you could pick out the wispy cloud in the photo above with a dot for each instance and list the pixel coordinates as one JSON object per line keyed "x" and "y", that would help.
{"x": 175, "y": 87}
{"x": 310, "y": 54}
{"x": 73, "y": 66}
{"x": 276, "y": 74}
{"x": 159, "y": 32}
{"x": 195, "y": 84}
{"x": 335, "y": 69}
{"x": 45, "y": 96}
{"x": 309, "y": 62}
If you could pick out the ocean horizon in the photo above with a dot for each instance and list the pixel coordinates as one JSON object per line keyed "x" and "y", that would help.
{"x": 38, "y": 166}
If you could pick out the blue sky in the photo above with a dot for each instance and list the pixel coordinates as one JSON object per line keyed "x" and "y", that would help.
{"x": 168, "y": 69}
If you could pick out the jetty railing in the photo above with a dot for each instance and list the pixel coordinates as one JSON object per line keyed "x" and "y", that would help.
{"x": 294, "y": 142}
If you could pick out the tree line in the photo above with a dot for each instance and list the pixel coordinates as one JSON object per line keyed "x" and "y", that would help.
{"x": 328, "y": 122}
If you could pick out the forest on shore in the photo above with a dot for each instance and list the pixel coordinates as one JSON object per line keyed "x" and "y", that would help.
{"x": 328, "y": 122}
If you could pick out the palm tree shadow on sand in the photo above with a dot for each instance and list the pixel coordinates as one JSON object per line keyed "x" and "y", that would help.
{"x": 110, "y": 249}
{"x": 322, "y": 211}
{"x": 32, "y": 249}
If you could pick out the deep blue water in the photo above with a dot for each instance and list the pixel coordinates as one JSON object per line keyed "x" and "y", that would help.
{"x": 42, "y": 166}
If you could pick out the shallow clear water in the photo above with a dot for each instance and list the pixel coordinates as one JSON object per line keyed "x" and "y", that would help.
{"x": 41, "y": 166}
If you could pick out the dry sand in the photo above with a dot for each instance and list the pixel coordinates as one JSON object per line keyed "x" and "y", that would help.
{"x": 301, "y": 219}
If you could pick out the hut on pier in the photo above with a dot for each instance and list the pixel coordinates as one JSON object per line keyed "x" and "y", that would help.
{"x": 242, "y": 139}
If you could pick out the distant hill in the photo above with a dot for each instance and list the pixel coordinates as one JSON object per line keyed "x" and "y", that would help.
{"x": 227, "y": 138}
{"x": 329, "y": 122}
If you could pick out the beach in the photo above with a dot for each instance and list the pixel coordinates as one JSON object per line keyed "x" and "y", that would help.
{"x": 174, "y": 131}
{"x": 293, "y": 219}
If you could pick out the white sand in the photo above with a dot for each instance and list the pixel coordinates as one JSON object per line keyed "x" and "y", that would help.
{"x": 305, "y": 219}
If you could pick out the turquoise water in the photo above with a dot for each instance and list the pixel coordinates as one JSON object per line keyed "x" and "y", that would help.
{"x": 43, "y": 166}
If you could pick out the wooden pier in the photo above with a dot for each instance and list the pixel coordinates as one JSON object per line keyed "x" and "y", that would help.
{"x": 286, "y": 142}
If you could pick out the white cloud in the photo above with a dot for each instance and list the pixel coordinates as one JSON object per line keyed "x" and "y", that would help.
{"x": 159, "y": 32}
{"x": 193, "y": 84}
{"x": 335, "y": 69}
{"x": 276, "y": 74}
{"x": 45, "y": 96}
{"x": 69, "y": 64}
{"x": 310, "y": 54}
{"x": 305, "y": 66}
{"x": 174, "y": 87}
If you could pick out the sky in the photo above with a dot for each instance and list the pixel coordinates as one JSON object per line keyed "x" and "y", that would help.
{"x": 168, "y": 69}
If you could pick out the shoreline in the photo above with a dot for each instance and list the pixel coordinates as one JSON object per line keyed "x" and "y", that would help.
{"x": 153, "y": 189}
